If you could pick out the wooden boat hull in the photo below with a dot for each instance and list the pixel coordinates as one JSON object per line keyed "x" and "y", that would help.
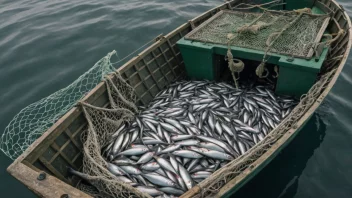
{"x": 233, "y": 186}
{"x": 47, "y": 154}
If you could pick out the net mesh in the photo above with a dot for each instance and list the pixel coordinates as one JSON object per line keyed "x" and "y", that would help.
{"x": 32, "y": 121}
{"x": 286, "y": 33}
{"x": 103, "y": 122}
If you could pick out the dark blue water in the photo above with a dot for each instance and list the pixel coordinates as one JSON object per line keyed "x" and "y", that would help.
{"x": 45, "y": 45}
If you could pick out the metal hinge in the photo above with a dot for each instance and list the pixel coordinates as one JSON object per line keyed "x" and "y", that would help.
{"x": 41, "y": 176}
{"x": 229, "y": 6}
{"x": 290, "y": 59}
{"x": 159, "y": 37}
{"x": 192, "y": 24}
{"x": 342, "y": 8}
{"x": 318, "y": 49}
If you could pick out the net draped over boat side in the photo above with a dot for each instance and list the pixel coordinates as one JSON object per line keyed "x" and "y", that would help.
{"x": 32, "y": 121}
{"x": 288, "y": 33}
{"x": 102, "y": 124}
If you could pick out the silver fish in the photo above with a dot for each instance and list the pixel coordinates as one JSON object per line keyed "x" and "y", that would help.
{"x": 211, "y": 122}
{"x": 141, "y": 179}
{"x": 193, "y": 163}
{"x": 150, "y": 191}
{"x": 204, "y": 163}
{"x": 181, "y": 137}
{"x": 78, "y": 174}
{"x": 165, "y": 164}
{"x": 150, "y": 166}
{"x": 117, "y": 133}
{"x": 150, "y": 126}
{"x": 116, "y": 170}
{"x": 125, "y": 140}
{"x": 134, "y": 151}
{"x": 218, "y": 128}
{"x": 186, "y": 177}
{"x": 153, "y": 141}
{"x": 181, "y": 182}
{"x": 118, "y": 144}
{"x": 219, "y": 143}
{"x": 171, "y": 190}
{"x": 198, "y": 175}
{"x": 124, "y": 179}
{"x": 215, "y": 154}
{"x": 242, "y": 147}
{"x": 134, "y": 136}
{"x": 146, "y": 158}
{"x": 125, "y": 161}
{"x": 170, "y": 149}
{"x": 188, "y": 142}
{"x": 131, "y": 170}
{"x": 176, "y": 124}
{"x": 170, "y": 128}
{"x": 174, "y": 162}
{"x": 167, "y": 136}
{"x": 161, "y": 172}
{"x": 171, "y": 176}
{"x": 159, "y": 180}
{"x": 187, "y": 154}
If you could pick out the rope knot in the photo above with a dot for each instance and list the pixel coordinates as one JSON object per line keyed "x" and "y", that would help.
{"x": 235, "y": 65}
{"x": 260, "y": 70}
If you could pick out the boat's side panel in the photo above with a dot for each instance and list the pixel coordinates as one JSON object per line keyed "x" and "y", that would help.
{"x": 294, "y": 4}
{"x": 154, "y": 69}
{"x": 62, "y": 146}
{"x": 51, "y": 186}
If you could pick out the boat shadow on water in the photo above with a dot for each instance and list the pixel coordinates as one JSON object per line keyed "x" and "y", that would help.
{"x": 280, "y": 178}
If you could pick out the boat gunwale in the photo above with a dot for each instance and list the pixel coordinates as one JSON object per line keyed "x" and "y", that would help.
{"x": 53, "y": 187}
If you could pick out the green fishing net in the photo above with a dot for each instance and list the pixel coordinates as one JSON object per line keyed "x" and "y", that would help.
{"x": 291, "y": 33}
{"x": 32, "y": 121}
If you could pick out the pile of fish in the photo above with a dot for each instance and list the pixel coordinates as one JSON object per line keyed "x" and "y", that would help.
{"x": 190, "y": 130}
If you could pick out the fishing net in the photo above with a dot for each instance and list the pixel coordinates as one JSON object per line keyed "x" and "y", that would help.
{"x": 32, "y": 121}
{"x": 211, "y": 186}
{"x": 121, "y": 94}
{"x": 103, "y": 122}
{"x": 288, "y": 33}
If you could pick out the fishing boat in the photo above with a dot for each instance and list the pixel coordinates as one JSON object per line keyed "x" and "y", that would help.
{"x": 191, "y": 50}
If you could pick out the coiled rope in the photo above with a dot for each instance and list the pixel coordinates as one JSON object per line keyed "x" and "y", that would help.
{"x": 237, "y": 66}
